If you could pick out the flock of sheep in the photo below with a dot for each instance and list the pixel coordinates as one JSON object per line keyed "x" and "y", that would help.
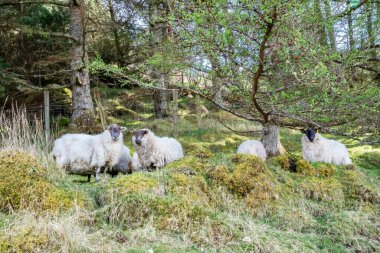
{"x": 105, "y": 152}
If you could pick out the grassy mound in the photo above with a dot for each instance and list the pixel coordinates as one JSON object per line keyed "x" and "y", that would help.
{"x": 24, "y": 183}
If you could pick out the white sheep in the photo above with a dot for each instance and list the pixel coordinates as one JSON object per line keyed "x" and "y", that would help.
{"x": 316, "y": 148}
{"x": 85, "y": 154}
{"x": 136, "y": 165}
{"x": 253, "y": 147}
{"x": 154, "y": 151}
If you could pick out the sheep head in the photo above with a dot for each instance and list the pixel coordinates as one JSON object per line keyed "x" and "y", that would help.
{"x": 115, "y": 131}
{"x": 140, "y": 136}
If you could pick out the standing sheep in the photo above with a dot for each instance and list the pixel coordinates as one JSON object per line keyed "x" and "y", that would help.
{"x": 85, "y": 154}
{"x": 154, "y": 151}
{"x": 253, "y": 147}
{"x": 316, "y": 148}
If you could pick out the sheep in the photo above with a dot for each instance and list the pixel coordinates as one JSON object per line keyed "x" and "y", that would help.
{"x": 253, "y": 147}
{"x": 154, "y": 151}
{"x": 85, "y": 154}
{"x": 316, "y": 148}
{"x": 136, "y": 165}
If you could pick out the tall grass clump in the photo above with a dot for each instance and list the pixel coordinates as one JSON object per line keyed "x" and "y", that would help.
{"x": 25, "y": 132}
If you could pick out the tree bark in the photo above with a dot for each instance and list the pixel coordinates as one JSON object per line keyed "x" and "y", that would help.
{"x": 351, "y": 41}
{"x": 83, "y": 107}
{"x": 371, "y": 36}
{"x": 159, "y": 32}
{"x": 271, "y": 140}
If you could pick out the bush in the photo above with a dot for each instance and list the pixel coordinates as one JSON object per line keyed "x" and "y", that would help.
{"x": 24, "y": 183}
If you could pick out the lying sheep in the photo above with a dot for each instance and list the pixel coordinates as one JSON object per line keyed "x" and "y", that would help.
{"x": 154, "y": 151}
{"x": 316, "y": 148}
{"x": 253, "y": 147}
{"x": 86, "y": 154}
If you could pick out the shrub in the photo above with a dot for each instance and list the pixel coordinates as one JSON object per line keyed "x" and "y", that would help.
{"x": 305, "y": 168}
{"x": 322, "y": 189}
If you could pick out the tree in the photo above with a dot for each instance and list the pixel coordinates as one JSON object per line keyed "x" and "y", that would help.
{"x": 282, "y": 74}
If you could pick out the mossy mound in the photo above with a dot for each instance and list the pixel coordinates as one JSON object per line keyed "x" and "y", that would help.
{"x": 325, "y": 169}
{"x": 24, "y": 183}
{"x": 321, "y": 189}
{"x": 25, "y": 241}
{"x": 189, "y": 164}
{"x": 220, "y": 175}
{"x": 138, "y": 182}
{"x": 199, "y": 151}
{"x": 192, "y": 187}
{"x": 356, "y": 187}
{"x": 263, "y": 196}
{"x": 305, "y": 168}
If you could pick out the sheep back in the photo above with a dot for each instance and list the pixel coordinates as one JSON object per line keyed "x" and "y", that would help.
{"x": 253, "y": 147}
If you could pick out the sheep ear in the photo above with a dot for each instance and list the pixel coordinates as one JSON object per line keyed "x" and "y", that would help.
{"x": 302, "y": 131}
{"x": 123, "y": 129}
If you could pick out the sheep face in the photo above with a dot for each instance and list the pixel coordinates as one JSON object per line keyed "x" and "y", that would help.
{"x": 115, "y": 131}
{"x": 311, "y": 134}
{"x": 139, "y": 137}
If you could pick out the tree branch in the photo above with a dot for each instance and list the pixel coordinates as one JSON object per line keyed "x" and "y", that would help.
{"x": 34, "y": 2}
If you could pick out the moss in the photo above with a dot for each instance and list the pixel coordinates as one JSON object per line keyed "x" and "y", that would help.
{"x": 247, "y": 171}
{"x": 321, "y": 189}
{"x": 283, "y": 161}
{"x": 305, "y": 168}
{"x": 191, "y": 187}
{"x": 24, "y": 183}
{"x": 220, "y": 175}
{"x": 325, "y": 169}
{"x": 189, "y": 164}
{"x": 356, "y": 187}
{"x": 135, "y": 183}
{"x": 263, "y": 196}
{"x": 24, "y": 241}
{"x": 199, "y": 151}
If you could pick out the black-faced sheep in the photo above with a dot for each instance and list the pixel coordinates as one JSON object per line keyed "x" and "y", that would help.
{"x": 316, "y": 148}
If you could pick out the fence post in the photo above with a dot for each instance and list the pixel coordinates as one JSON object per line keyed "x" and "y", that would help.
{"x": 47, "y": 115}
{"x": 198, "y": 110}
{"x": 175, "y": 113}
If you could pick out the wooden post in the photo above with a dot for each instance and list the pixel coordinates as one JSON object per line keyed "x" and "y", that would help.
{"x": 198, "y": 109}
{"x": 175, "y": 113}
{"x": 47, "y": 115}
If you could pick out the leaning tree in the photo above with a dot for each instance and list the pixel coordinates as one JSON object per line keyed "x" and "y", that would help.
{"x": 275, "y": 65}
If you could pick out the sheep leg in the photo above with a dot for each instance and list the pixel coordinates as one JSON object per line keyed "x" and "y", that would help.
{"x": 89, "y": 178}
{"x": 97, "y": 173}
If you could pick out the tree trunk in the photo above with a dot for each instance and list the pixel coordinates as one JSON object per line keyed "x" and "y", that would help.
{"x": 271, "y": 140}
{"x": 159, "y": 32}
{"x": 351, "y": 41}
{"x": 330, "y": 25}
{"x": 371, "y": 36}
{"x": 119, "y": 52}
{"x": 83, "y": 107}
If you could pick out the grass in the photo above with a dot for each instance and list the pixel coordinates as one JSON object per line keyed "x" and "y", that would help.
{"x": 210, "y": 201}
